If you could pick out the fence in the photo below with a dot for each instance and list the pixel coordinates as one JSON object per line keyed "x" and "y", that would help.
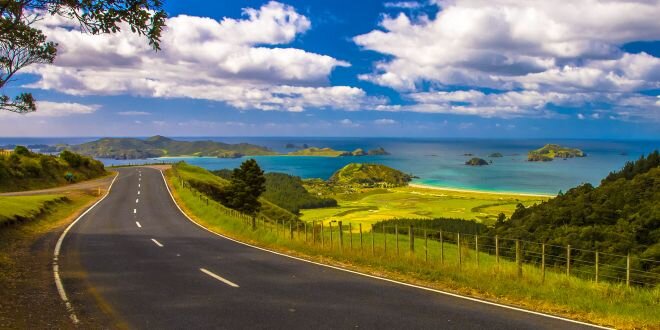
{"x": 454, "y": 249}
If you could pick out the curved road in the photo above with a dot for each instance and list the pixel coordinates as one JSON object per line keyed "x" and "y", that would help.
{"x": 153, "y": 268}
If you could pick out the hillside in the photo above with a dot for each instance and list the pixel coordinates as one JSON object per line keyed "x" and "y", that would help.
{"x": 329, "y": 152}
{"x": 552, "y": 151}
{"x": 288, "y": 192}
{"x": 621, "y": 215}
{"x": 369, "y": 175}
{"x": 159, "y": 146}
{"x": 24, "y": 170}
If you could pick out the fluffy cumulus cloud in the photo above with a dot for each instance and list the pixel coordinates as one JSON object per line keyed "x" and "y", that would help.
{"x": 544, "y": 49}
{"x": 54, "y": 109}
{"x": 239, "y": 61}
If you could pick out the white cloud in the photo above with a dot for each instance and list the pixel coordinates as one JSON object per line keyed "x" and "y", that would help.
{"x": 523, "y": 46}
{"x": 55, "y": 109}
{"x": 403, "y": 4}
{"x": 385, "y": 121}
{"x": 133, "y": 113}
{"x": 232, "y": 60}
{"x": 348, "y": 123}
{"x": 580, "y": 116}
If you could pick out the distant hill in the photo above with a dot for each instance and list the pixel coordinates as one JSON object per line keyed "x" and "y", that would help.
{"x": 160, "y": 146}
{"x": 552, "y": 151}
{"x": 370, "y": 175}
{"x": 329, "y": 152}
{"x": 24, "y": 170}
{"x": 621, "y": 215}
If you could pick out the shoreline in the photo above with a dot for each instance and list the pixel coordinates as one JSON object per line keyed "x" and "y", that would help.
{"x": 426, "y": 186}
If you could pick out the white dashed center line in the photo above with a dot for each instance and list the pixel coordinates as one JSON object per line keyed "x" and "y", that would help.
{"x": 134, "y": 211}
{"x": 157, "y": 242}
{"x": 138, "y": 185}
{"x": 138, "y": 192}
{"x": 219, "y": 278}
{"x": 138, "y": 224}
{"x": 137, "y": 200}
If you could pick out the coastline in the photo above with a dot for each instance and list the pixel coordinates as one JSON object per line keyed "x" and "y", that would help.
{"x": 476, "y": 191}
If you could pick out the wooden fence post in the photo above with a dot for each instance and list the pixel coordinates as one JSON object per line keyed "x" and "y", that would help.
{"x": 396, "y": 239}
{"x": 476, "y": 248}
{"x": 361, "y": 247}
{"x": 305, "y": 224}
{"x": 341, "y": 237}
{"x": 384, "y": 241}
{"x": 628, "y": 270}
{"x": 330, "y": 228}
{"x": 568, "y": 260}
{"x": 373, "y": 241}
{"x": 322, "y": 235}
{"x": 290, "y": 230}
{"x": 518, "y": 259}
{"x": 543, "y": 262}
{"x": 350, "y": 235}
{"x": 442, "y": 249}
{"x": 426, "y": 247}
{"x": 458, "y": 247}
{"x": 497, "y": 250}
{"x": 411, "y": 240}
{"x": 597, "y": 257}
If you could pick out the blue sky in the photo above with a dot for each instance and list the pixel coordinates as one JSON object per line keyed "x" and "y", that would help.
{"x": 455, "y": 68}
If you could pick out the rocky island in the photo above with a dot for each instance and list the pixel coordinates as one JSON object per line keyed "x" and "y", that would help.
{"x": 476, "y": 161}
{"x": 551, "y": 151}
{"x": 329, "y": 152}
{"x": 496, "y": 155}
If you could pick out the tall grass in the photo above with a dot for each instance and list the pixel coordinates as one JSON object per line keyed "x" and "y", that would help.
{"x": 610, "y": 304}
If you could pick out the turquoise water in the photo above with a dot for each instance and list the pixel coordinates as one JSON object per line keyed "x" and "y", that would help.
{"x": 437, "y": 162}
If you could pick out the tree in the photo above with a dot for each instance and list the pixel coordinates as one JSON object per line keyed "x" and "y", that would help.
{"x": 21, "y": 44}
{"x": 247, "y": 184}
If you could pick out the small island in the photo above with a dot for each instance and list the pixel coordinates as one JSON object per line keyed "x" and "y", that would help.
{"x": 496, "y": 155}
{"x": 329, "y": 152}
{"x": 551, "y": 151}
{"x": 370, "y": 175}
{"x": 476, "y": 161}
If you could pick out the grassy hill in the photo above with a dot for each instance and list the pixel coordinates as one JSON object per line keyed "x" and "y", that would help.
{"x": 552, "y": 151}
{"x": 213, "y": 186}
{"x": 329, "y": 152}
{"x": 24, "y": 170}
{"x": 620, "y": 216}
{"x": 369, "y": 175}
{"x": 288, "y": 192}
{"x": 159, "y": 146}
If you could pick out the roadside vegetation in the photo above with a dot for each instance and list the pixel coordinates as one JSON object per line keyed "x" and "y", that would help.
{"x": 25, "y": 170}
{"x": 433, "y": 263}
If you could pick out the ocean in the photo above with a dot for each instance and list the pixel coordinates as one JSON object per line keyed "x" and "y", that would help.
{"x": 435, "y": 161}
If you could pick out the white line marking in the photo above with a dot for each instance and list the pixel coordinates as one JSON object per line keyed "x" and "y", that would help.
{"x": 378, "y": 277}
{"x": 56, "y": 255}
{"x": 137, "y": 200}
{"x": 138, "y": 185}
{"x": 219, "y": 278}
{"x": 134, "y": 211}
{"x": 138, "y": 192}
{"x": 138, "y": 224}
{"x": 139, "y": 179}
{"x": 157, "y": 242}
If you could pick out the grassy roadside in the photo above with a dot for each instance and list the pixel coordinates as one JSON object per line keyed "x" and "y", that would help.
{"x": 605, "y": 304}
{"x": 28, "y": 298}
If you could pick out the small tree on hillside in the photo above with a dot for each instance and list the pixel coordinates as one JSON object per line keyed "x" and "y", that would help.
{"x": 247, "y": 184}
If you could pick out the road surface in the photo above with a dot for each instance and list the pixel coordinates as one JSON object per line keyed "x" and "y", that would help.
{"x": 153, "y": 268}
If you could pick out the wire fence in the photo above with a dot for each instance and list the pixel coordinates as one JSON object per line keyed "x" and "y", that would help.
{"x": 453, "y": 248}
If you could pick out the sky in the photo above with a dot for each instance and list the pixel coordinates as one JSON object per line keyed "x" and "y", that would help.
{"x": 432, "y": 68}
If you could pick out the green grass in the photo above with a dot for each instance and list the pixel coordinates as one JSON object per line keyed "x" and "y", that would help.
{"x": 321, "y": 152}
{"x": 14, "y": 208}
{"x": 373, "y": 205}
{"x": 603, "y": 303}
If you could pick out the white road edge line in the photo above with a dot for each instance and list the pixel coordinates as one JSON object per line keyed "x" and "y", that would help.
{"x": 378, "y": 277}
{"x": 219, "y": 278}
{"x": 156, "y": 242}
{"x": 137, "y": 223}
{"x": 56, "y": 255}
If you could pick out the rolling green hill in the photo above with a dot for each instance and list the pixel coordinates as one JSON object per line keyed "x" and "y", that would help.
{"x": 24, "y": 170}
{"x": 329, "y": 152}
{"x": 160, "y": 146}
{"x": 552, "y": 151}
{"x": 369, "y": 175}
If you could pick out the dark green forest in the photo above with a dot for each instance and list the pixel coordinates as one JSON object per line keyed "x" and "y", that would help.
{"x": 620, "y": 216}
{"x": 288, "y": 192}
{"x": 26, "y": 170}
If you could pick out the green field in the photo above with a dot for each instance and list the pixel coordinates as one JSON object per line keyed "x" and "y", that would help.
{"x": 15, "y": 208}
{"x": 603, "y": 303}
{"x": 373, "y": 205}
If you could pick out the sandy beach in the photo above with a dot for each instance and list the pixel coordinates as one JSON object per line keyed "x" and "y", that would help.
{"x": 423, "y": 186}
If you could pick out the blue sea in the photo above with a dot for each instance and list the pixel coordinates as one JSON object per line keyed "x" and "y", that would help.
{"x": 437, "y": 162}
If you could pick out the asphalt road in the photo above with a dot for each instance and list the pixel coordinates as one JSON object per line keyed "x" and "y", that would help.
{"x": 153, "y": 268}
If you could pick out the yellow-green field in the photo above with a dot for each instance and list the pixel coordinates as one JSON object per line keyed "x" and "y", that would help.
{"x": 373, "y": 205}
